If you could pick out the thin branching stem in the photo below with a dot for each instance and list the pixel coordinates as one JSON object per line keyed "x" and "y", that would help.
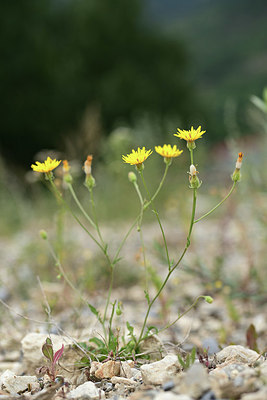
{"x": 80, "y": 206}
{"x": 157, "y": 215}
{"x": 218, "y": 205}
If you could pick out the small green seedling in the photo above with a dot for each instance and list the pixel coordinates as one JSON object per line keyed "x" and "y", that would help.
{"x": 53, "y": 358}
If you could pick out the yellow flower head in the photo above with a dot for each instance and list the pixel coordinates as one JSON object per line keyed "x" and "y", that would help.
{"x": 137, "y": 157}
{"x": 191, "y": 135}
{"x": 47, "y": 166}
{"x": 168, "y": 151}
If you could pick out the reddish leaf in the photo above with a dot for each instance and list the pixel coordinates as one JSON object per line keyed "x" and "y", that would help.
{"x": 252, "y": 338}
{"x": 58, "y": 354}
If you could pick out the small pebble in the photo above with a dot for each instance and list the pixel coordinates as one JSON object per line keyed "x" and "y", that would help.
{"x": 107, "y": 386}
{"x": 168, "y": 386}
{"x": 208, "y": 396}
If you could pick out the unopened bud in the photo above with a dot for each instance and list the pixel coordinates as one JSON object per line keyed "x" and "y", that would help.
{"x": 236, "y": 176}
{"x": 87, "y": 165}
{"x": 132, "y": 177}
{"x": 193, "y": 170}
{"x": 195, "y": 183}
{"x": 66, "y": 175}
{"x": 65, "y": 167}
{"x": 118, "y": 309}
{"x": 208, "y": 299}
{"x": 89, "y": 181}
{"x": 43, "y": 234}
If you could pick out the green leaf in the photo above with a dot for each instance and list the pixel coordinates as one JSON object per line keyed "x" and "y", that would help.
{"x": 181, "y": 361}
{"x": 95, "y": 312}
{"x": 98, "y": 342}
{"x": 147, "y": 296}
{"x": 47, "y": 350}
{"x": 131, "y": 331}
{"x": 193, "y": 355}
{"x": 149, "y": 329}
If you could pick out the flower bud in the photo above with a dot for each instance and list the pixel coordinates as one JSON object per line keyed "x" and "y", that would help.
{"x": 89, "y": 181}
{"x": 66, "y": 175}
{"x": 236, "y": 176}
{"x": 118, "y": 309}
{"x": 208, "y": 299}
{"x": 43, "y": 234}
{"x": 132, "y": 177}
{"x": 195, "y": 183}
{"x": 193, "y": 170}
{"x": 87, "y": 165}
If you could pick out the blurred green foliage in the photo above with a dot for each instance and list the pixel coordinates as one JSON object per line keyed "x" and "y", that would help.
{"x": 226, "y": 42}
{"x": 59, "y": 57}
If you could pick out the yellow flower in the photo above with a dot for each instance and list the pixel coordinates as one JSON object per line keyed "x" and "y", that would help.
{"x": 168, "y": 151}
{"x": 137, "y": 157}
{"x": 47, "y": 166}
{"x": 191, "y": 135}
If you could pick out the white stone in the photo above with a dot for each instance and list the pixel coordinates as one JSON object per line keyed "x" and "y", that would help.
{"x": 16, "y": 384}
{"x": 125, "y": 370}
{"x": 260, "y": 395}
{"x": 86, "y": 391}
{"x": 160, "y": 371}
{"x": 171, "y": 396}
{"x": 263, "y": 369}
{"x": 124, "y": 381}
{"x": 236, "y": 354}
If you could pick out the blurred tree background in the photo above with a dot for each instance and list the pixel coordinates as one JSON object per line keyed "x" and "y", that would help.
{"x": 178, "y": 61}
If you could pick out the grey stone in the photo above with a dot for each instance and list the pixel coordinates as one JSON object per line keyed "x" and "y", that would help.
{"x": 168, "y": 386}
{"x": 161, "y": 371}
{"x": 211, "y": 345}
{"x": 195, "y": 382}
{"x": 210, "y": 395}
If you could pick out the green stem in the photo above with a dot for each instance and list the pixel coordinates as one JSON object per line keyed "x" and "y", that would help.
{"x": 124, "y": 240}
{"x": 192, "y": 216}
{"x": 141, "y": 233}
{"x": 191, "y": 156}
{"x": 63, "y": 273}
{"x": 157, "y": 215}
{"x": 171, "y": 269}
{"x": 59, "y": 197}
{"x": 218, "y": 205}
{"x": 110, "y": 320}
{"x": 109, "y": 295}
{"x": 183, "y": 314}
{"x": 95, "y": 217}
{"x": 160, "y": 185}
{"x": 146, "y": 205}
{"x": 80, "y": 206}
